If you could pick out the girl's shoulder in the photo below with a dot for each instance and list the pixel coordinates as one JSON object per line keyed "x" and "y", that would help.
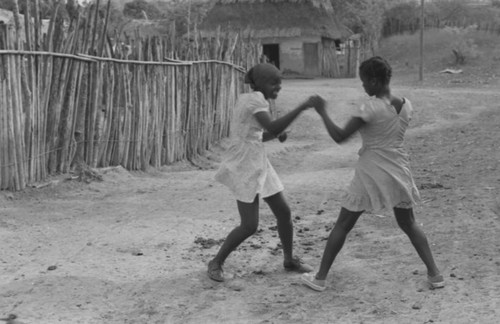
{"x": 253, "y": 102}
{"x": 407, "y": 107}
{"x": 254, "y": 97}
{"x": 367, "y": 109}
{"x": 402, "y": 106}
{"x": 257, "y": 101}
{"x": 397, "y": 103}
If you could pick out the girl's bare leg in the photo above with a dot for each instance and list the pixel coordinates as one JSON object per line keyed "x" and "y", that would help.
{"x": 406, "y": 221}
{"x": 249, "y": 217}
{"x": 283, "y": 215}
{"x": 345, "y": 222}
{"x": 281, "y": 211}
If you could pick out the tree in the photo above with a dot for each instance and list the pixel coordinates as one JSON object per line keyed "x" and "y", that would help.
{"x": 400, "y": 18}
{"x": 365, "y": 17}
{"x": 463, "y": 47}
{"x": 141, "y": 9}
{"x": 447, "y": 11}
{"x": 116, "y": 20}
{"x": 46, "y": 7}
{"x": 186, "y": 14}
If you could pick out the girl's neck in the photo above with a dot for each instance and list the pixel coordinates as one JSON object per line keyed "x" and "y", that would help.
{"x": 258, "y": 90}
{"x": 384, "y": 93}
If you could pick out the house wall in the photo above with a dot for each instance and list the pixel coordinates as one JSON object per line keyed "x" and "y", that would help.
{"x": 292, "y": 53}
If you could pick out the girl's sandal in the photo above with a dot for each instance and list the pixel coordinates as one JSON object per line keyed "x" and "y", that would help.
{"x": 215, "y": 271}
{"x": 436, "y": 282}
{"x": 310, "y": 281}
{"x": 297, "y": 265}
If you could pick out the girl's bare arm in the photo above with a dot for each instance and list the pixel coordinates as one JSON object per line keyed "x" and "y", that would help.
{"x": 337, "y": 133}
{"x": 276, "y": 126}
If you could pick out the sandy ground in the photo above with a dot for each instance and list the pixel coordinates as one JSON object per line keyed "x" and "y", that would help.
{"x": 133, "y": 248}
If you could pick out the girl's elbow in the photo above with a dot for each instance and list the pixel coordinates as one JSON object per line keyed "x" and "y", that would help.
{"x": 336, "y": 138}
{"x": 339, "y": 138}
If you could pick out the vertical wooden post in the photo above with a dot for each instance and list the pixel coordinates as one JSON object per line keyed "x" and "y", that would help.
{"x": 422, "y": 25}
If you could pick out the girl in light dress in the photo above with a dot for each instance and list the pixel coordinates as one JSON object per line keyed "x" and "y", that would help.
{"x": 382, "y": 177}
{"x": 247, "y": 172}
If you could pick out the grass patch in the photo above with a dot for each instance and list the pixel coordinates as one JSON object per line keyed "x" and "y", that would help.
{"x": 482, "y": 65}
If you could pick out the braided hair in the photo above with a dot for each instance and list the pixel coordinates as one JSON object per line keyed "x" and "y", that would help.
{"x": 377, "y": 68}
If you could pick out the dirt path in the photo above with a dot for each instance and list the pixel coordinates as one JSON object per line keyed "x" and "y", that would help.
{"x": 133, "y": 248}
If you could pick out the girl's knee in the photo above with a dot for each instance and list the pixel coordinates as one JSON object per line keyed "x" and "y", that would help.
{"x": 279, "y": 207}
{"x": 284, "y": 215}
{"x": 404, "y": 226}
{"x": 250, "y": 228}
{"x": 404, "y": 217}
{"x": 347, "y": 219}
{"x": 249, "y": 216}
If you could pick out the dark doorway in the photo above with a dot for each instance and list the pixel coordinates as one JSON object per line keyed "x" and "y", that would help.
{"x": 272, "y": 53}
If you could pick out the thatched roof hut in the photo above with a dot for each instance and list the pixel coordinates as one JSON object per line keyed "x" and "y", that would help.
{"x": 297, "y": 35}
{"x": 276, "y": 18}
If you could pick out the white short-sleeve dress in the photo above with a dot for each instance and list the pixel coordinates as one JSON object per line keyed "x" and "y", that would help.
{"x": 245, "y": 168}
{"x": 382, "y": 176}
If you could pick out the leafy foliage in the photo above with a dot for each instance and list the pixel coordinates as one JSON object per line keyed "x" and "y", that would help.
{"x": 141, "y": 9}
{"x": 405, "y": 17}
{"x": 365, "y": 17}
{"x": 47, "y": 7}
{"x": 116, "y": 20}
{"x": 463, "y": 47}
{"x": 184, "y": 15}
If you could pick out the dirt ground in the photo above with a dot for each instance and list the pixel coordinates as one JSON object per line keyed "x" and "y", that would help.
{"x": 133, "y": 248}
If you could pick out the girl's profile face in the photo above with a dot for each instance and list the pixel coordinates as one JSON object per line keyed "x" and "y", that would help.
{"x": 270, "y": 87}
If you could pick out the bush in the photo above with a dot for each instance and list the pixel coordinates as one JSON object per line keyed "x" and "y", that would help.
{"x": 463, "y": 46}
{"x": 141, "y": 9}
{"x": 403, "y": 51}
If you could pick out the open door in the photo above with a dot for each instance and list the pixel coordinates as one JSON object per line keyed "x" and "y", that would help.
{"x": 272, "y": 53}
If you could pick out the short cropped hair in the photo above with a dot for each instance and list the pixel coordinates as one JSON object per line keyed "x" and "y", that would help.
{"x": 378, "y": 68}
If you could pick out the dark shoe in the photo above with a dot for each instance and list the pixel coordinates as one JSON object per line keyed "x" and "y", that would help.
{"x": 215, "y": 271}
{"x": 297, "y": 265}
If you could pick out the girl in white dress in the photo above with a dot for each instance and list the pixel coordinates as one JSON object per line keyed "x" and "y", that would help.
{"x": 246, "y": 170}
{"x": 382, "y": 177}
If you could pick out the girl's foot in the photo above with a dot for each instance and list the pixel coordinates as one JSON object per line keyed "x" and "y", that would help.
{"x": 310, "y": 281}
{"x": 436, "y": 281}
{"x": 297, "y": 265}
{"x": 215, "y": 271}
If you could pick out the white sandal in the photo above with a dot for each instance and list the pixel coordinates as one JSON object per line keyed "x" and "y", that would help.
{"x": 436, "y": 282}
{"x": 310, "y": 281}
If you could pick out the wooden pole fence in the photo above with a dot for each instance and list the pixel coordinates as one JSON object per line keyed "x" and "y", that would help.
{"x": 70, "y": 99}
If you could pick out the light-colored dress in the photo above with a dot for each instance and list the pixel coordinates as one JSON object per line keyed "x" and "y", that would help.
{"x": 245, "y": 168}
{"x": 382, "y": 176}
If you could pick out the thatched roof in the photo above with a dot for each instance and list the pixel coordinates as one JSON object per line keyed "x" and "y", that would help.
{"x": 275, "y": 18}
